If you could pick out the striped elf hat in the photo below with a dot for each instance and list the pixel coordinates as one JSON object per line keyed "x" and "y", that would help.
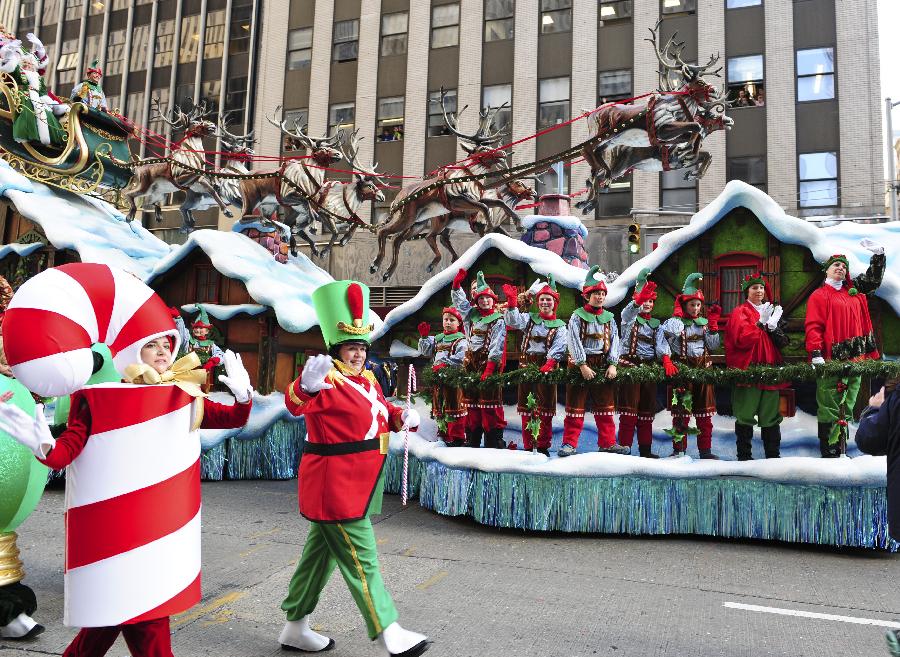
{"x": 55, "y": 317}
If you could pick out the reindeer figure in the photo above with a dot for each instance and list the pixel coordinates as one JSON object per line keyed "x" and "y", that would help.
{"x": 239, "y": 149}
{"x": 664, "y": 134}
{"x": 155, "y": 181}
{"x": 306, "y": 174}
{"x": 443, "y": 195}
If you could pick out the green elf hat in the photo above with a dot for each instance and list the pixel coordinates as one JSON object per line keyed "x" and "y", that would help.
{"x": 755, "y": 279}
{"x": 343, "y": 311}
{"x": 641, "y": 281}
{"x": 94, "y": 68}
{"x": 202, "y": 320}
{"x": 689, "y": 292}
{"x": 550, "y": 289}
{"x": 482, "y": 288}
{"x": 592, "y": 283}
{"x": 840, "y": 257}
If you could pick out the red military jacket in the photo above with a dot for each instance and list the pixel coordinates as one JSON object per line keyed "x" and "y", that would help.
{"x": 347, "y": 432}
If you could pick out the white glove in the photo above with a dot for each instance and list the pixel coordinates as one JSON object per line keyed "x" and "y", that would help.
{"x": 772, "y": 322}
{"x": 37, "y": 47}
{"x": 236, "y": 377}
{"x": 765, "y": 312}
{"x": 410, "y": 418}
{"x": 871, "y": 245}
{"x": 818, "y": 360}
{"x": 314, "y": 372}
{"x": 33, "y": 432}
{"x": 537, "y": 285}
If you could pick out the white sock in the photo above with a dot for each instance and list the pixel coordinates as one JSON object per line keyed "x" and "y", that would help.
{"x": 298, "y": 634}
{"x": 18, "y": 627}
{"x": 397, "y": 640}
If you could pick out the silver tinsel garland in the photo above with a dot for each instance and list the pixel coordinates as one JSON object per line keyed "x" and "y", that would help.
{"x": 274, "y": 455}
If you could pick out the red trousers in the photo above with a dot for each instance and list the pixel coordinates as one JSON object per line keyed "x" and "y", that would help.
{"x": 485, "y": 418}
{"x": 545, "y": 434}
{"x": 147, "y": 639}
{"x": 456, "y": 430}
{"x": 627, "y": 425}
{"x": 606, "y": 429}
{"x": 704, "y": 426}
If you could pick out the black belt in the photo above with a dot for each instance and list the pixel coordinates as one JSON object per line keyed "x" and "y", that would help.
{"x": 339, "y": 449}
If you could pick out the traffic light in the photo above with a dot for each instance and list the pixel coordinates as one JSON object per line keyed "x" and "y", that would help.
{"x": 634, "y": 237}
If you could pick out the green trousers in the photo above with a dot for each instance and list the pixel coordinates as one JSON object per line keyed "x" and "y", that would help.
{"x": 829, "y": 400}
{"x": 351, "y": 547}
{"x": 754, "y": 406}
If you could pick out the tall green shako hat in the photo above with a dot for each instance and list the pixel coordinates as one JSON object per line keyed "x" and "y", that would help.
{"x": 690, "y": 291}
{"x": 342, "y": 308}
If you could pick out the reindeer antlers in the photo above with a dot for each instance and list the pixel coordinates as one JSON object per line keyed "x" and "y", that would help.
{"x": 352, "y": 151}
{"x": 481, "y": 137}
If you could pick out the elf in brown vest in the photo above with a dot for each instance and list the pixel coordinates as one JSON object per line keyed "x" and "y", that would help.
{"x": 449, "y": 350}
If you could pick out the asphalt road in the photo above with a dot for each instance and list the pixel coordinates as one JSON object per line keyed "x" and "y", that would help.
{"x": 482, "y": 592}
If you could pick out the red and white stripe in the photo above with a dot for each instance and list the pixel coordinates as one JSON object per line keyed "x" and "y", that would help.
{"x": 55, "y": 317}
{"x": 133, "y": 508}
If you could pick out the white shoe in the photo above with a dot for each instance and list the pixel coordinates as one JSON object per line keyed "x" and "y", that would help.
{"x": 297, "y": 635}
{"x": 22, "y": 626}
{"x": 403, "y": 643}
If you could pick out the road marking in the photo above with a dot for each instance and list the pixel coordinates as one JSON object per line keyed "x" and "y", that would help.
{"x": 268, "y": 533}
{"x": 253, "y": 549}
{"x": 228, "y": 598}
{"x": 431, "y": 581}
{"x": 812, "y": 614}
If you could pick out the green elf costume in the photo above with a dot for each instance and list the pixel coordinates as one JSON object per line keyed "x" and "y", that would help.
{"x": 340, "y": 480}
{"x": 838, "y": 327}
{"x": 198, "y": 341}
{"x": 89, "y": 91}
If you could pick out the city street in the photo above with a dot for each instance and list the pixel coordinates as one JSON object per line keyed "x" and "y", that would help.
{"x": 478, "y": 591}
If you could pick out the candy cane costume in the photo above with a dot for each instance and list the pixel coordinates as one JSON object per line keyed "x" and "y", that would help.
{"x": 130, "y": 450}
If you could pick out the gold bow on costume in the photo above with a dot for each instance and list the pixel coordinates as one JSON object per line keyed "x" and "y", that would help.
{"x": 184, "y": 373}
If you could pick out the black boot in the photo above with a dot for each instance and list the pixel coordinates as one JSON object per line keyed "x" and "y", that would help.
{"x": 744, "y": 438}
{"x": 771, "y": 437}
{"x": 708, "y": 454}
{"x": 828, "y": 451}
{"x": 646, "y": 453}
{"x": 473, "y": 437}
{"x": 494, "y": 438}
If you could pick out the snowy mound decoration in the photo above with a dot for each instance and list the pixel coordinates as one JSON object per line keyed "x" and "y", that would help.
{"x": 555, "y": 230}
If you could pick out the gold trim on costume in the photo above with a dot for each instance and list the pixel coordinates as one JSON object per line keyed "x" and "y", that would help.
{"x": 362, "y": 578}
{"x": 355, "y": 330}
{"x": 102, "y": 133}
{"x": 293, "y": 395}
{"x": 385, "y": 442}
{"x": 11, "y": 570}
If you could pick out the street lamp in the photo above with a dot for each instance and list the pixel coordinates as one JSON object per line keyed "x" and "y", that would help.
{"x": 892, "y": 182}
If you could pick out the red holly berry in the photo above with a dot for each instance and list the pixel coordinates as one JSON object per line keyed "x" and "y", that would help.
{"x": 842, "y": 423}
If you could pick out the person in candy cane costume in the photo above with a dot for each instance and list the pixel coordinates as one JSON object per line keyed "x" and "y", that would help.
{"x": 340, "y": 481}
{"x": 130, "y": 447}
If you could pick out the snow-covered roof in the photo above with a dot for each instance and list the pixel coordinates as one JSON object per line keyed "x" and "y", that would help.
{"x": 823, "y": 242}
{"x": 225, "y": 312}
{"x": 541, "y": 262}
{"x": 19, "y": 249}
{"x": 563, "y": 221}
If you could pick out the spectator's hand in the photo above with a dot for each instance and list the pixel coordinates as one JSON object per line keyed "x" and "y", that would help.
{"x": 871, "y": 245}
{"x": 312, "y": 379}
{"x": 459, "y": 278}
{"x": 424, "y": 329}
{"x": 587, "y": 373}
{"x": 236, "y": 377}
{"x": 611, "y": 372}
{"x": 670, "y": 367}
{"x": 876, "y": 400}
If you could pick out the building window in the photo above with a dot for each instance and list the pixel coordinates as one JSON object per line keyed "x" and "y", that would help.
{"x": 96, "y": 8}
{"x": 752, "y": 170}
{"x": 134, "y": 107}
{"x": 556, "y": 16}
{"x": 68, "y": 60}
{"x": 736, "y": 4}
{"x": 115, "y": 52}
{"x": 745, "y": 80}
{"x": 499, "y": 21}
{"x": 50, "y": 12}
{"x": 184, "y": 94}
{"x": 678, "y": 6}
{"x": 73, "y": 10}
{"x": 554, "y": 102}
{"x": 241, "y": 22}
{"x": 393, "y": 33}
{"x": 818, "y": 180}
{"x": 165, "y": 42}
{"x": 207, "y": 285}
{"x": 495, "y": 96}
{"x": 815, "y": 74}
{"x": 616, "y": 202}
{"x": 346, "y": 41}
{"x": 731, "y": 270}
{"x": 613, "y": 85}
{"x": 214, "y": 40}
{"x": 190, "y": 40}
{"x": 299, "y": 48}
{"x": 436, "y": 125}
{"x": 210, "y": 91}
{"x": 676, "y": 193}
{"x": 341, "y": 116}
{"x": 236, "y": 99}
{"x": 612, "y": 10}
{"x": 390, "y": 119}
{"x": 445, "y": 26}
{"x": 548, "y": 183}
{"x": 293, "y": 119}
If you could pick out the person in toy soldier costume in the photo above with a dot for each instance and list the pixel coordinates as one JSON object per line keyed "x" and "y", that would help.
{"x": 89, "y": 91}
{"x": 449, "y": 350}
{"x": 838, "y": 327}
{"x": 486, "y": 333}
{"x": 687, "y": 338}
{"x": 341, "y": 475}
{"x": 544, "y": 345}
{"x": 754, "y": 336}
{"x": 593, "y": 344}
{"x": 636, "y": 402}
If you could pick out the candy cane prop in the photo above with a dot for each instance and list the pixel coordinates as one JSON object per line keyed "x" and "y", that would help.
{"x": 410, "y": 389}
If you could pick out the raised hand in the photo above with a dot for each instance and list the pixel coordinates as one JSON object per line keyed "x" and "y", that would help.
{"x": 312, "y": 379}
{"x": 236, "y": 377}
{"x": 871, "y": 245}
{"x": 646, "y": 293}
{"x": 33, "y": 432}
{"x": 772, "y": 323}
{"x": 459, "y": 278}
{"x": 512, "y": 293}
{"x": 424, "y": 329}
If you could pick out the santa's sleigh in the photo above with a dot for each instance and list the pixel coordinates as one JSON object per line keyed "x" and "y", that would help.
{"x": 94, "y": 141}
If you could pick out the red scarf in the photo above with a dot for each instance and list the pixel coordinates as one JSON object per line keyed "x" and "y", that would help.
{"x": 594, "y": 311}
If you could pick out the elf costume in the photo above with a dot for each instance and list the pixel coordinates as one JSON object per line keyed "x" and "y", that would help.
{"x": 89, "y": 91}
{"x": 486, "y": 355}
{"x": 838, "y": 327}
{"x": 754, "y": 336}
{"x": 449, "y": 350}
{"x": 593, "y": 341}
{"x": 340, "y": 481}
{"x": 636, "y": 402}
{"x": 544, "y": 345}
{"x": 131, "y": 449}
{"x": 688, "y": 340}
{"x": 198, "y": 342}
